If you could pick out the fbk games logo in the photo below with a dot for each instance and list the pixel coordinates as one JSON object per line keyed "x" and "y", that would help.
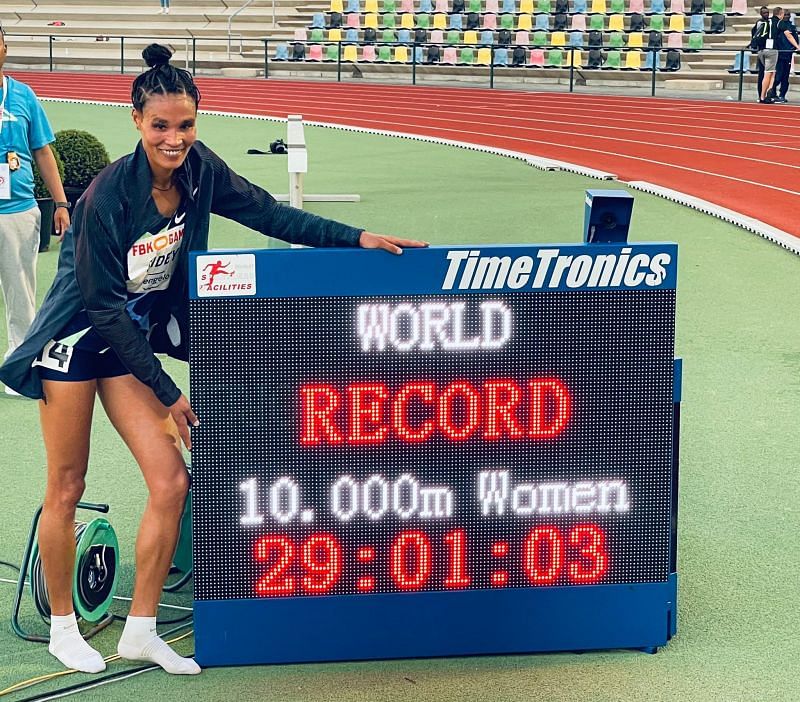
{"x": 226, "y": 275}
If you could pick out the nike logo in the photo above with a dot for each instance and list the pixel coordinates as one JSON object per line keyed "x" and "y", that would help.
{"x": 180, "y": 218}
{"x": 194, "y": 192}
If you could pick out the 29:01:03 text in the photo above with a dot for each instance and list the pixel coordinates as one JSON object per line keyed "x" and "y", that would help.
{"x": 548, "y": 555}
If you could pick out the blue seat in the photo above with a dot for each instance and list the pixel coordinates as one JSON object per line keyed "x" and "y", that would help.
{"x": 281, "y": 52}
{"x": 542, "y": 23}
{"x": 404, "y": 36}
{"x": 509, "y": 6}
{"x": 351, "y": 35}
{"x": 501, "y": 56}
{"x": 648, "y": 60}
{"x": 737, "y": 63}
{"x": 318, "y": 20}
{"x": 426, "y": 6}
{"x": 656, "y": 7}
{"x": 696, "y": 23}
{"x": 579, "y": 7}
{"x": 353, "y": 6}
{"x": 418, "y": 56}
{"x": 456, "y": 22}
{"x": 487, "y": 37}
{"x": 576, "y": 40}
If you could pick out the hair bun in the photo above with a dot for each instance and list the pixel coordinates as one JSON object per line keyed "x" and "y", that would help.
{"x": 156, "y": 55}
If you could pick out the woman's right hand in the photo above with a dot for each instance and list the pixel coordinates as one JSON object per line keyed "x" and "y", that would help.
{"x": 184, "y": 417}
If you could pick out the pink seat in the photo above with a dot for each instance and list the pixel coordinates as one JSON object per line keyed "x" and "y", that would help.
{"x": 368, "y": 53}
{"x": 739, "y": 7}
{"x": 437, "y": 36}
{"x": 521, "y": 38}
{"x": 677, "y": 7}
{"x": 441, "y": 6}
{"x": 537, "y": 58}
{"x": 315, "y": 52}
{"x": 578, "y": 23}
{"x": 675, "y": 40}
{"x": 449, "y": 55}
{"x": 407, "y": 6}
{"x": 354, "y": 20}
{"x": 636, "y": 6}
{"x": 490, "y": 21}
{"x": 492, "y": 6}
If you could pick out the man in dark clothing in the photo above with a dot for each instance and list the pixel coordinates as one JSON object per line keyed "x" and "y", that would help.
{"x": 758, "y": 35}
{"x": 787, "y": 44}
{"x": 769, "y": 56}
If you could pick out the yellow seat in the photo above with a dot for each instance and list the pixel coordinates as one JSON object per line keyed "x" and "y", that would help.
{"x": 616, "y": 23}
{"x": 350, "y": 53}
{"x": 633, "y": 59}
{"x": 335, "y": 35}
{"x": 558, "y": 39}
{"x": 371, "y": 21}
{"x": 371, "y": 6}
{"x": 407, "y": 21}
{"x": 524, "y": 23}
{"x": 336, "y": 6}
{"x": 636, "y": 40}
{"x": 676, "y": 23}
{"x": 575, "y": 58}
{"x": 526, "y": 7}
{"x": 440, "y": 21}
{"x": 599, "y": 6}
{"x": 470, "y": 37}
{"x": 484, "y": 56}
{"x": 401, "y": 54}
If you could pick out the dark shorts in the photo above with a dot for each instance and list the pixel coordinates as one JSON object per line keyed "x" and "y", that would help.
{"x": 68, "y": 364}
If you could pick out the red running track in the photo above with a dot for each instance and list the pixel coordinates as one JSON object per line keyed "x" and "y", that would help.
{"x": 743, "y": 156}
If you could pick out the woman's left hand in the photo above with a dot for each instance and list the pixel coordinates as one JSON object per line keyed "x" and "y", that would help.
{"x": 392, "y": 244}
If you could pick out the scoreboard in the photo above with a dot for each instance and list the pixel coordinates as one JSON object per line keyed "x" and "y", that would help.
{"x": 453, "y": 451}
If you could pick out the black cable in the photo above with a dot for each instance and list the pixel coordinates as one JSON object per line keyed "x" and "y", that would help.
{"x": 89, "y": 683}
{"x": 10, "y": 565}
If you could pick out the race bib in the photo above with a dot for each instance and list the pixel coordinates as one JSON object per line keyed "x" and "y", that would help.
{"x": 152, "y": 259}
{"x": 770, "y": 43}
{"x": 55, "y": 356}
{"x": 5, "y": 182}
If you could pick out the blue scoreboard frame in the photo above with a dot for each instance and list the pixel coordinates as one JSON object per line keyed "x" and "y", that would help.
{"x": 232, "y": 628}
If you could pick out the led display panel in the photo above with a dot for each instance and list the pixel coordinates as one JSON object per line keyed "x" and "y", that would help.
{"x": 447, "y": 421}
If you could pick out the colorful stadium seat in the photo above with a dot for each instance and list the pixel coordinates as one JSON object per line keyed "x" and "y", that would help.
{"x": 466, "y": 56}
{"x": 597, "y": 22}
{"x": 449, "y": 55}
{"x": 389, "y": 20}
{"x": 371, "y": 20}
{"x": 407, "y": 6}
{"x": 616, "y": 40}
{"x": 492, "y": 6}
{"x": 633, "y": 60}
{"x": 613, "y": 60}
{"x": 350, "y": 54}
{"x": 401, "y": 54}
{"x": 371, "y": 6}
{"x": 354, "y": 21}
{"x": 651, "y": 58}
{"x": 655, "y": 40}
{"x": 579, "y": 7}
{"x": 510, "y": 6}
{"x": 456, "y": 22}
{"x": 281, "y": 53}
{"x": 351, "y": 35}
{"x": 677, "y": 7}
{"x": 537, "y": 58}
{"x": 317, "y": 20}
{"x": 595, "y": 59}
{"x": 636, "y": 23}
{"x": 385, "y": 54}
{"x": 555, "y": 58}
{"x": 332, "y": 52}
{"x": 423, "y": 20}
{"x": 368, "y": 54}
{"x": 501, "y": 56}
{"x": 558, "y": 39}
{"x": 300, "y": 34}
{"x": 560, "y": 22}
{"x": 470, "y": 37}
{"x": 315, "y": 52}
{"x": 697, "y": 23}
{"x": 388, "y": 36}
{"x": 404, "y": 36}
{"x": 425, "y": 6}
{"x": 389, "y": 6}
{"x": 524, "y": 22}
{"x": 739, "y": 7}
{"x": 599, "y": 6}
{"x": 353, "y": 6}
{"x": 718, "y": 6}
{"x": 522, "y": 39}
{"x": 617, "y": 7}
{"x": 738, "y": 64}
{"x": 575, "y": 58}
{"x": 717, "y": 24}
{"x": 474, "y": 6}
{"x": 695, "y": 42}
{"x": 407, "y": 21}
{"x": 453, "y": 37}
{"x": 487, "y": 37}
{"x": 539, "y": 39}
{"x": 578, "y": 23}
{"x": 675, "y": 40}
{"x": 507, "y": 22}
{"x": 484, "y": 57}
{"x": 441, "y": 6}
{"x": 616, "y": 23}
{"x": 636, "y": 6}
{"x": 656, "y": 23}
{"x": 317, "y": 35}
{"x": 336, "y": 6}
{"x": 440, "y": 21}
{"x": 657, "y": 7}
{"x": 543, "y": 6}
{"x": 419, "y": 55}
{"x": 697, "y": 7}
{"x": 673, "y": 62}
{"x": 576, "y": 39}
{"x": 526, "y": 7}
{"x": 542, "y": 22}
{"x": 490, "y": 21}
{"x": 635, "y": 40}
{"x": 437, "y": 36}
{"x": 676, "y": 23}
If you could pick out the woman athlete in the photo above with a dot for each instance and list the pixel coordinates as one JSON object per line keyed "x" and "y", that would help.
{"x": 120, "y": 295}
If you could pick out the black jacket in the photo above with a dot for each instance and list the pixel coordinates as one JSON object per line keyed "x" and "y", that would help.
{"x": 92, "y": 267}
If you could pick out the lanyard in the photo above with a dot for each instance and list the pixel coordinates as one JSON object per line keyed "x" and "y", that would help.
{"x": 3, "y": 103}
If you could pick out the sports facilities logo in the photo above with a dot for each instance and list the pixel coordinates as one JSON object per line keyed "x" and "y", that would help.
{"x": 226, "y": 275}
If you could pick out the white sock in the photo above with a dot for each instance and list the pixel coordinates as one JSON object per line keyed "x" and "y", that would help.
{"x": 67, "y": 644}
{"x": 140, "y": 642}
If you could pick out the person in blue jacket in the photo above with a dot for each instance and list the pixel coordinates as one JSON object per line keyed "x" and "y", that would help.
{"x": 121, "y": 295}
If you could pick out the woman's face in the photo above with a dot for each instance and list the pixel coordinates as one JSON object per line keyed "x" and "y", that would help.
{"x": 168, "y": 127}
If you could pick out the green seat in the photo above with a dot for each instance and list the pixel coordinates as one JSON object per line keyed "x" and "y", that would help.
{"x": 453, "y": 37}
{"x": 466, "y": 55}
{"x": 555, "y": 58}
{"x": 388, "y": 36}
{"x": 332, "y": 52}
{"x": 474, "y": 6}
{"x": 507, "y": 22}
{"x": 423, "y": 20}
{"x": 389, "y": 5}
{"x": 616, "y": 40}
{"x": 597, "y": 22}
{"x": 316, "y": 35}
{"x": 617, "y": 7}
{"x": 695, "y": 42}
{"x": 540, "y": 38}
{"x": 543, "y": 6}
{"x": 718, "y": 6}
{"x": 613, "y": 59}
{"x": 656, "y": 23}
{"x": 385, "y": 53}
{"x": 389, "y": 21}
